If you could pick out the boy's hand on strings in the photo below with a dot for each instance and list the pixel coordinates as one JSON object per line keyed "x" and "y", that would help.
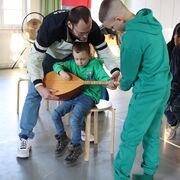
{"x": 64, "y": 75}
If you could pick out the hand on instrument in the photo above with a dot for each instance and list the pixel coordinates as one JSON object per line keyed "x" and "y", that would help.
{"x": 46, "y": 93}
{"x": 116, "y": 77}
{"x": 65, "y": 75}
{"x": 111, "y": 85}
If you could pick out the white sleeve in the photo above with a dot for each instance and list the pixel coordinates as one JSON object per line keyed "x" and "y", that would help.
{"x": 34, "y": 64}
{"x": 106, "y": 55}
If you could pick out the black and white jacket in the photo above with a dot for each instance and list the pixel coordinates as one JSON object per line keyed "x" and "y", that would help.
{"x": 54, "y": 39}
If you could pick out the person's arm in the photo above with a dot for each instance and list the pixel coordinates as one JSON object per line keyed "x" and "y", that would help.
{"x": 110, "y": 62}
{"x": 59, "y": 69}
{"x": 130, "y": 63}
{"x": 51, "y": 30}
{"x": 34, "y": 66}
{"x": 97, "y": 39}
{"x": 45, "y": 38}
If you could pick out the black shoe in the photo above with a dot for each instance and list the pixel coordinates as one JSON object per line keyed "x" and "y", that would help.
{"x": 61, "y": 145}
{"x": 74, "y": 151}
{"x": 142, "y": 177}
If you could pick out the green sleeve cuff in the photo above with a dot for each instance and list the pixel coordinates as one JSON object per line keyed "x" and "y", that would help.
{"x": 57, "y": 67}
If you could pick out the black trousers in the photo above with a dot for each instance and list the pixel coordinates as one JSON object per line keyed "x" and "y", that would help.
{"x": 172, "y": 111}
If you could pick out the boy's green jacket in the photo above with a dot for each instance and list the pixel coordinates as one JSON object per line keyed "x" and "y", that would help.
{"x": 92, "y": 71}
{"x": 144, "y": 60}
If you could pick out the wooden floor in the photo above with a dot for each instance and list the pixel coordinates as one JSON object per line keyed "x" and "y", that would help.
{"x": 43, "y": 165}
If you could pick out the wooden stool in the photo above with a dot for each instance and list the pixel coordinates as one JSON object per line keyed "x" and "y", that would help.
{"x": 18, "y": 90}
{"x": 95, "y": 110}
{"x": 47, "y": 104}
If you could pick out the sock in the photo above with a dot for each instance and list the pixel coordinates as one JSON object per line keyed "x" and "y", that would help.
{"x": 24, "y": 137}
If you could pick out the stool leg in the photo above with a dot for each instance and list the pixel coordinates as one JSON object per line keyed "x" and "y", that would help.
{"x": 96, "y": 127}
{"x": 47, "y": 104}
{"x": 87, "y": 139}
{"x": 112, "y": 131}
{"x": 67, "y": 116}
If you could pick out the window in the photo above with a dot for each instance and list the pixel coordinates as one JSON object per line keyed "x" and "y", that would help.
{"x": 12, "y": 13}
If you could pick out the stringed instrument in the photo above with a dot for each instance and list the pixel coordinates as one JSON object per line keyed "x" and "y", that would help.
{"x": 67, "y": 88}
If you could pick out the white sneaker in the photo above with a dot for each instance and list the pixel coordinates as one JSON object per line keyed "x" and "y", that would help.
{"x": 24, "y": 148}
{"x": 103, "y": 104}
{"x": 83, "y": 137}
{"x": 171, "y": 131}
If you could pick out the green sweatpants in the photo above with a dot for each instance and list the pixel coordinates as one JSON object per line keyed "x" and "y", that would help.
{"x": 142, "y": 123}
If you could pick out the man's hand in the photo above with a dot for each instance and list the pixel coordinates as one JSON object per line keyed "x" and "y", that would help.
{"x": 65, "y": 75}
{"x": 116, "y": 77}
{"x": 111, "y": 85}
{"x": 46, "y": 93}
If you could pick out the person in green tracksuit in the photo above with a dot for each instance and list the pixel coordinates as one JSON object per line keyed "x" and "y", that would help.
{"x": 144, "y": 66}
{"x": 86, "y": 68}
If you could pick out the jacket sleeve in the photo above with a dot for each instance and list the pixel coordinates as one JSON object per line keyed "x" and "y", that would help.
{"x": 105, "y": 54}
{"x": 47, "y": 34}
{"x": 130, "y": 65}
{"x": 57, "y": 67}
{"x": 97, "y": 39}
{"x": 34, "y": 66}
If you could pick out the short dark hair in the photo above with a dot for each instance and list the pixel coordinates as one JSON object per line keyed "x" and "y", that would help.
{"x": 104, "y": 10}
{"x": 81, "y": 46}
{"x": 174, "y": 31}
{"x": 178, "y": 30}
{"x": 79, "y": 12}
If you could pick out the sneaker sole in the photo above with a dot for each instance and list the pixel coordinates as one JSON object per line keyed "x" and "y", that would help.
{"x": 24, "y": 156}
{"x": 172, "y": 136}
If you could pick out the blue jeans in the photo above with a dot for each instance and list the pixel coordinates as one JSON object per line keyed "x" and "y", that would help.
{"x": 78, "y": 106}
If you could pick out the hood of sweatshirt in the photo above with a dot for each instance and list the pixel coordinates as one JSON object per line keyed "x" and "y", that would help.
{"x": 144, "y": 22}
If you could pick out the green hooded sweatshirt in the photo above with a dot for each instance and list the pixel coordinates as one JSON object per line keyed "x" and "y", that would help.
{"x": 92, "y": 71}
{"x": 144, "y": 57}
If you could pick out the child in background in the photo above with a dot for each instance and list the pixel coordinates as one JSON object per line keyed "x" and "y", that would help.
{"x": 173, "y": 106}
{"x": 87, "y": 69}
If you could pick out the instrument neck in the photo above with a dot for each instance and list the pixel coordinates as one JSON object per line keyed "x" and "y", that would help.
{"x": 96, "y": 82}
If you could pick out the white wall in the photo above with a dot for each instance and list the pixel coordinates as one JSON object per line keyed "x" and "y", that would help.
{"x": 166, "y": 11}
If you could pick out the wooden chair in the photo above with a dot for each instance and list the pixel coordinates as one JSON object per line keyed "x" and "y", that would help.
{"x": 95, "y": 110}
